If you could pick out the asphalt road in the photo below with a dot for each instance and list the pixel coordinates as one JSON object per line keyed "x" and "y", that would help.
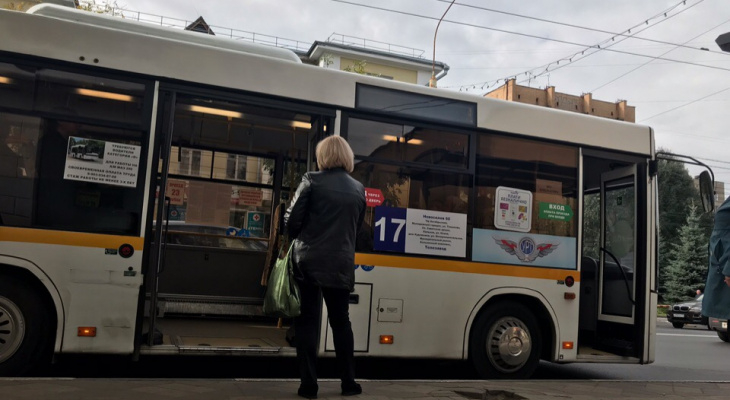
{"x": 690, "y": 354}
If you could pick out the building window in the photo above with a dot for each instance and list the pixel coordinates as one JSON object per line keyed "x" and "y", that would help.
{"x": 236, "y": 167}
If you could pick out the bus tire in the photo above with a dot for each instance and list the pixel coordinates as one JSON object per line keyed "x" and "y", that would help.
{"x": 25, "y": 331}
{"x": 505, "y": 342}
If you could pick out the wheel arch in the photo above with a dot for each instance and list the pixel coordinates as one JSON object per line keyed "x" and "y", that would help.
{"x": 532, "y": 299}
{"x": 40, "y": 282}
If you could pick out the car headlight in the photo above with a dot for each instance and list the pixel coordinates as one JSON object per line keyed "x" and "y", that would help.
{"x": 696, "y": 309}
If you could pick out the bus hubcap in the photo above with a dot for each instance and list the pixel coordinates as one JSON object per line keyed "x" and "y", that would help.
{"x": 12, "y": 328}
{"x": 508, "y": 344}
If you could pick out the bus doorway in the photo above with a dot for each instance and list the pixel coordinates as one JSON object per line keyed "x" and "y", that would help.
{"x": 224, "y": 169}
{"x": 613, "y": 264}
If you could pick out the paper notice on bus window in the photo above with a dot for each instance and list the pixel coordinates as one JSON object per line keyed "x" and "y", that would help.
{"x": 513, "y": 209}
{"x": 414, "y": 231}
{"x": 436, "y": 233}
{"x": 208, "y": 203}
{"x": 176, "y": 191}
{"x": 99, "y": 161}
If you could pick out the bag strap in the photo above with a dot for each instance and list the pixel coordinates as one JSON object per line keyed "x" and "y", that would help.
{"x": 286, "y": 244}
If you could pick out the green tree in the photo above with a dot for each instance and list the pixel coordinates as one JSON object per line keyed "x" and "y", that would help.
{"x": 109, "y": 7}
{"x": 676, "y": 193}
{"x": 592, "y": 226}
{"x": 21, "y": 6}
{"x": 687, "y": 260}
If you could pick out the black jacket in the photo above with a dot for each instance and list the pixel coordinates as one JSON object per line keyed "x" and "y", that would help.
{"x": 327, "y": 210}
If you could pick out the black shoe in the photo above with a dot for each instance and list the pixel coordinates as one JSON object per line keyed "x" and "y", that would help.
{"x": 308, "y": 390}
{"x": 351, "y": 389}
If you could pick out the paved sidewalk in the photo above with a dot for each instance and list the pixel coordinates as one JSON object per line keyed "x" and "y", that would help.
{"x": 240, "y": 389}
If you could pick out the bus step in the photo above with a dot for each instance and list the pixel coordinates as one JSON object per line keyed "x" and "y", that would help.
{"x": 227, "y": 351}
{"x": 616, "y": 346}
{"x": 223, "y": 345}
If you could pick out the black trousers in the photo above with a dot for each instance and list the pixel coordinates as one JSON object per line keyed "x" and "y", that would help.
{"x": 306, "y": 328}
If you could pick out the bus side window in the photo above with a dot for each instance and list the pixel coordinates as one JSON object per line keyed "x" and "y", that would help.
{"x": 18, "y": 135}
{"x": 413, "y": 167}
{"x": 548, "y": 171}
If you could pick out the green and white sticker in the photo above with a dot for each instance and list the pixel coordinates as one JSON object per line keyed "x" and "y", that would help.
{"x": 558, "y": 212}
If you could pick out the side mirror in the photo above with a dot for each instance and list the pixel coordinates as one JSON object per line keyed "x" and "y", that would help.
{"x": 707, "y": 191}
{"x": 723, "y": 41}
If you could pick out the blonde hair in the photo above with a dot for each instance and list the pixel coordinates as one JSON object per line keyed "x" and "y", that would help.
{"x": 334, "y": 152}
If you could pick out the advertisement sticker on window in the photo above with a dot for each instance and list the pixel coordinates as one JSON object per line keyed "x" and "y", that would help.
{"x": 99, "y": 161}
{"x": 524, "y": 249}
{"x": 513, "y": 209}
{"x": 414, "y": 231}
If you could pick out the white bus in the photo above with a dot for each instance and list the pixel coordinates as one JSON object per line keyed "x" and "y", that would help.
{"x": 497, "y": 232}
{"x": 82, "y": 151}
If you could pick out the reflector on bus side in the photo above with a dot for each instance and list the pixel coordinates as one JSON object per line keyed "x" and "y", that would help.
{"x": 386, "y": 339}
{"x": 87, "y": 331}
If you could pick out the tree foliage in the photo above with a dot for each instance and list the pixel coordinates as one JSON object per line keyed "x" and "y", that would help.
{"x": 592, "y": 225}
{"x": 21, "y": 6}
{"x": 676, "y": 193}
{"x": 687, "y": 266}
{"x": 109, "y": 7}
{"x": 677, "y": 197}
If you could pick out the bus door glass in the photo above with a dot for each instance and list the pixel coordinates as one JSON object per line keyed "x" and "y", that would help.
{"x": 618, "y": 246}
{"x": 225, "y": 169}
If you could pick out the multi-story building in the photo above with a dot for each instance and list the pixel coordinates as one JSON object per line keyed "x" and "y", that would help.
{"x": 370, "y": 57}
{"x": 548, "y": 97}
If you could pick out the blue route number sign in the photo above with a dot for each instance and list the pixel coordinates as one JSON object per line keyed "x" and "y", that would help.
{"x": 390, "y": 229}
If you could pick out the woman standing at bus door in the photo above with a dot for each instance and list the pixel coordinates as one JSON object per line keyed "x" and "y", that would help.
{"x": 327, "y": 210}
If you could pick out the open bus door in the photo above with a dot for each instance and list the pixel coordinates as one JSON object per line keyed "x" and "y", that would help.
{"x": 165, "y": 123}
{"x": 614, "y": 262}
{"x": 223, "y": 167}
{"x": 617, "y": 270}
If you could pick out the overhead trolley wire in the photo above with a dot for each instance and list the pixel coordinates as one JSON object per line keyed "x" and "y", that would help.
{"x": 686, "y": 104}
{"x": 650, "y": 61}
{"x": 580, "y": 55}
{"x": 596, "y": 48}
{"x": 548, "y": 21}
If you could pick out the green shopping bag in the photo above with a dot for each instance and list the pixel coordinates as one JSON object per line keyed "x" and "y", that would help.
{"x": 282, "y": 293}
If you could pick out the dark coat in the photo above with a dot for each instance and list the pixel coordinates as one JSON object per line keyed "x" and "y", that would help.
{"x": 327, "y": 210}
{"x": 716, "y": 302}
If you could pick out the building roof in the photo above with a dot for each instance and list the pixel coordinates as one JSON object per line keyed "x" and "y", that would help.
{"x": 400, "y": 59}
{"x": 199, "y": 25}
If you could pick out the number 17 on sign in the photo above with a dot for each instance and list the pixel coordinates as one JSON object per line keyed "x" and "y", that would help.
{"x": 390, "y": 229}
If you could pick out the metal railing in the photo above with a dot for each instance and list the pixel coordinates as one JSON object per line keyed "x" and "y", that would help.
{"x": 268, "y": 40}
{"x": 235, "y": 34}
{"x": 375, "y": 45}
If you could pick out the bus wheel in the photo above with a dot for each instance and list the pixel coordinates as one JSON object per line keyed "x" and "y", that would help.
{"x": 505, "y": 342}
{"x": 24, "y": 328}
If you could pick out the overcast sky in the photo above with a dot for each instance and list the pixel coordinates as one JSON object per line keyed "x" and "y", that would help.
{"x": 686, "y": 104}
